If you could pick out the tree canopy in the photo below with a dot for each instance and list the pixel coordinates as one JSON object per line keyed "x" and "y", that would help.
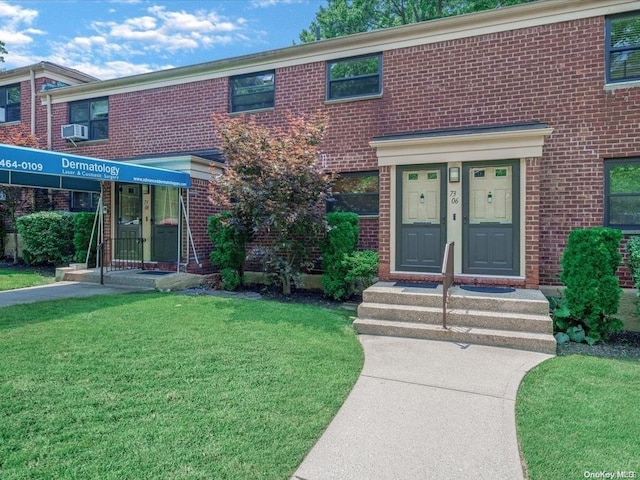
{"x": 345, "y": 17}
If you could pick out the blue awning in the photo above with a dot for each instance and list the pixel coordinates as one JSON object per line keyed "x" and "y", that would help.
{"x": 29, "y": 167}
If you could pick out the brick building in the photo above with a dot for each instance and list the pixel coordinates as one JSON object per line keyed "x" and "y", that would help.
{"x": 501, "y": 131}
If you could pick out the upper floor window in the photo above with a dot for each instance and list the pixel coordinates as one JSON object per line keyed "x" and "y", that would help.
{"x": 354, "y": 77}
{"x": 623, "y": 47}
{"x": 254, "y": 91}
{"x": 10, "y": 103}
{"x": 622, "y": 194}
{"x": 355, "y": 192}
{"x": 92, "y": 113}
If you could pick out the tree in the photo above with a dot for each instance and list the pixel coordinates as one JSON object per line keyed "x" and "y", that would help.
{"x": 13, "y": 198}
{"x": 346, "y": 17}
{"x": 3, "y": 51}
{"x": 274, "y": 189}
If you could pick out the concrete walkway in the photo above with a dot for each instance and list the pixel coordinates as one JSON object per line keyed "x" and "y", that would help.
{"x": 59, "y": 290}
{"x": 424, "y": 409}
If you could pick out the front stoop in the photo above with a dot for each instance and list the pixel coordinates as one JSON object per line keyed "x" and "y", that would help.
{"x": 169, "y": 281}
{"x": 517, "y": 319}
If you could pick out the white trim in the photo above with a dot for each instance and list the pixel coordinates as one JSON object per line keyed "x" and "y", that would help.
{"x": 195, "y": 166}
{"x": 540, "y": 13}
{"x": 461, "y": 148}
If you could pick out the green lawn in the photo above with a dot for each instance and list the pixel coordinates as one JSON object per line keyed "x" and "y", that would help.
{"x": 11, "y": 278}
{"x": 168, "y": 386}
{"x": 579, "y": 414}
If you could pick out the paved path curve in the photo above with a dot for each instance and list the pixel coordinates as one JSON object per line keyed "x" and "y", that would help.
{"x": 423, "y": 409}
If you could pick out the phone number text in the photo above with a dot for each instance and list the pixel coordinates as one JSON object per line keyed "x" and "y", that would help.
{"x": 15, "y": 165}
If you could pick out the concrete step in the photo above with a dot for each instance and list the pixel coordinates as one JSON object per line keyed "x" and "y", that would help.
{"x": 535, "y": 342}
{"x": 498, "y": 320}
{"x": 520, "y": 301}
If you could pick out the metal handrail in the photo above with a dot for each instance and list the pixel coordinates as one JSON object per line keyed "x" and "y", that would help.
{"x": 447, "y": 280}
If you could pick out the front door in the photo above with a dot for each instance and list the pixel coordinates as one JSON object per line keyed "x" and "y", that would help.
{"x": 164, "y": 219}
{"x": 421, "y": 218}
{"x": 491, "y": 218}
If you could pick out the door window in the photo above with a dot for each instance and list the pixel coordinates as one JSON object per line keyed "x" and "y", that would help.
{"x": 490, "y": 195}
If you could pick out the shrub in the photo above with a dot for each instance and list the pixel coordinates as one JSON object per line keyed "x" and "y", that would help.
{"x": 592, "y": 293}
{"x": 47, "y": 237}
{"x": 229, "y": 250}
{"x": 362, "y": 269}
{"x": 633, "y": 251}
{"x": 340, "y": 242}
{"x": 82, "y": 228}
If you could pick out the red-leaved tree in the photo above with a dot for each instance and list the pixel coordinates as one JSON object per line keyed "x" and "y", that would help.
{"x": 13, "y": 199}
{"x": 274, "y": 189}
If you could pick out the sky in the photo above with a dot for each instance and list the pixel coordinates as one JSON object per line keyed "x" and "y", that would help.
{"x": 115, "y": 38}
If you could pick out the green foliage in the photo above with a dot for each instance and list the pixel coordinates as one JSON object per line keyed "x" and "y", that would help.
{"x": 362, "y": 268}
{"x": 82, "y": 227}
{"x": 592, "y": 293}
{"x": 229, "y": 250}
{"x": 47, "y": 237}
{"x": 341, "y": 241}
{"x": 633, "y": 252}
{"x": 346, "y": 17}
{"x": 274, "y": 189}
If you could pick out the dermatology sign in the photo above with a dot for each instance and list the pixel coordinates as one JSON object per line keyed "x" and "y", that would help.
{"x": 45, "y": 162}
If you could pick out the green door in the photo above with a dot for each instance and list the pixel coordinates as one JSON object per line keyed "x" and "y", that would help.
{"x": 164, "y": 220}
{"x": 491, "y": 218}
{"x": 421, "y": 218}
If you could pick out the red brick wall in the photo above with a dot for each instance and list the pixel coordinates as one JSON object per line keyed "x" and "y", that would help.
{"x": 552, "y": 74}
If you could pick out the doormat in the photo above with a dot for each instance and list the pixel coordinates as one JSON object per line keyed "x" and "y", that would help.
{"x": 415, "y": 285}
{"x": 154, "y": 272}
{"x": 474, "y": 288}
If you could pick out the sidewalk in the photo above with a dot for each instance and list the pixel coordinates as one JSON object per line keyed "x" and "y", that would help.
{"x": 58, "y": 290}
{"x": 424, "y": 409}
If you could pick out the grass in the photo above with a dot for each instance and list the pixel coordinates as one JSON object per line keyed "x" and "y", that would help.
{"x": 166, "y": 386}
{"x": 11, "y": 278}
{"x": 579, "y": 414}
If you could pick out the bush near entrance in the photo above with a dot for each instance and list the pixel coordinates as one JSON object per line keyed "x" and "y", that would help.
{"x": 592, "y": 293}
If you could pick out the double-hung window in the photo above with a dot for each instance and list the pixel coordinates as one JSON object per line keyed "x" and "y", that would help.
{"x": 94, "y": 114}
{"x": 255, "y": 91}
{"x": 623, "y": 47}
{"x": 10, "y": 103}
{"x": 354, "y": 77}
{"x": 355, "y": 192}
{"x": 622, "y": 194}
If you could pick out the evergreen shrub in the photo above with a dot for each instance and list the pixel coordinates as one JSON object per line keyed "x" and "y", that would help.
{"x": 592, "y": 293}
{"x": 341, "y": 242}
{"x": 229, "y": 250}
{"x": 633, "y": 252}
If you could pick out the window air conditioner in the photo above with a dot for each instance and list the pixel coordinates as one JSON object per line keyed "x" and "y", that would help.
{"x": 75, "y": 132}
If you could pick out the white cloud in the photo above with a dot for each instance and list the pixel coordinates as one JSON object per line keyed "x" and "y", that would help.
{"x": 16, "y": 27}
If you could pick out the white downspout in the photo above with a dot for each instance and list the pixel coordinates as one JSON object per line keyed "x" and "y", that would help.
{"x": 34, "y": 96}
{"x": 49, "y": 124}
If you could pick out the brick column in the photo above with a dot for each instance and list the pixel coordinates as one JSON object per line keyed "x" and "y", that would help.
{"x": 532, "y": 223}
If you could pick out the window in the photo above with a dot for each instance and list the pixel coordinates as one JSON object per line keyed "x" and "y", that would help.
{"x": 355, "y": 192}
{"x": 354, "y": 77}
{"x": 92, "y": 113}
{"x": 84, "y": 201}
{"x": 623, "y": 47}
{"x": 622, "y": 194}
{"x": 10, "y": 103}
{"x": 255, "y": 91}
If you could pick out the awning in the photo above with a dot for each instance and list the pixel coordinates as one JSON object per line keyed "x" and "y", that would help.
{"x": 29, "y": 167}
